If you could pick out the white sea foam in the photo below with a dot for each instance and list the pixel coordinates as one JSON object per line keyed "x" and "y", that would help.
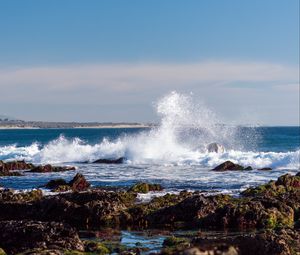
{"x": 186, "y": 128}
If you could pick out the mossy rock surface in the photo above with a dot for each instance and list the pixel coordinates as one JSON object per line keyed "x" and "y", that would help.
{"x": 9, "y": 195}
{"x": 143, "y": 187}
{"x": 174, "y": 241}
{"x": 96, "y": 247}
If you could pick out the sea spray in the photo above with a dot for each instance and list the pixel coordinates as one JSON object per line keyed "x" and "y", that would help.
{"x": 186, "y": 127}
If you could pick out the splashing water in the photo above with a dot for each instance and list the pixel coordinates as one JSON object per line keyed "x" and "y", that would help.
{"x": 185, "y": 129}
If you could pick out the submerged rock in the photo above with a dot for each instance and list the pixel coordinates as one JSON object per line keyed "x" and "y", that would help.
{"x": 143, "y": 187}
{"x": 19, "y": 236}
{"x": 228, "y": 165}
{"x": 265, "y": 169}
{"x": 110, "y": 161}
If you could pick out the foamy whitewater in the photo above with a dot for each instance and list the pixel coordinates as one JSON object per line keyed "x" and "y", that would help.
{"x": 173, "y": 153}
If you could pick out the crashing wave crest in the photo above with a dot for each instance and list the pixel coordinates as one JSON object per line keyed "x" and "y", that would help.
{"x": 186, "y": 128}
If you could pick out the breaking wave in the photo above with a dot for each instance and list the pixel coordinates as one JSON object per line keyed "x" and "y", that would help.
{"x": 185, "y": 130}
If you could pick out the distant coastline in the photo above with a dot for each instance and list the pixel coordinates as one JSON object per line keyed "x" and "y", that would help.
{"x": 45, "y": 125}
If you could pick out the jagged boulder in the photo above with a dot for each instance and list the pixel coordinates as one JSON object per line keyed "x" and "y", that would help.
{"x": 15, "y": 165}
{"x": 19, "y": 236}
{"x": 78, "y": 183}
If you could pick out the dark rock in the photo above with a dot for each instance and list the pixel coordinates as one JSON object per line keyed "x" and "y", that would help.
{"x": 8, "y": 195}
{"x": 174, "y": 241}
{"x": 265, "y": 169}
{"x": 228, "y": 165}
{"x": 216, "y": 250}
{"x": 285, "y": 185}
{"x": 19, "y": 236}
{"x": 110, "y": 161}
{"x": 143, "y": 187}
{"x": 289, "y": 181}
{"x": 280, "y": 242}
{"x": 96, "y": 247}
{"x": 7, "y": 168}
{"x": 15, "y": 165}
{"x": 54, "y": 184}
{"x": 249, "y": 214}
{"x": 273, "y": 205}
{"x": 49, "y": 168}
{"x": 248, "y": 168}
{"x": 188, "y": 212}
{"x": 79, "y": 183}
{"x": 90, "y": 209}
{"x": 155, "y": 213}
{"x": 10, "y": 173}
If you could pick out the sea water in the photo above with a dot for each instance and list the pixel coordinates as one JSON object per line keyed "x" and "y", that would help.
{"x": 172, "y": 153}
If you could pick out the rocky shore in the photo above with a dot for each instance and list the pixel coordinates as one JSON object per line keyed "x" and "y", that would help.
{"x": 262, "y": 220}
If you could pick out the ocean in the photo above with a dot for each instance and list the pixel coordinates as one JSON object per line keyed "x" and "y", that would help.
{"x": 173, "y": 153}
{"x": 150, "y": 156}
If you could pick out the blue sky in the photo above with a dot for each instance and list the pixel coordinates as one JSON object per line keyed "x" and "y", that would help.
{"x": 118, "y": 49}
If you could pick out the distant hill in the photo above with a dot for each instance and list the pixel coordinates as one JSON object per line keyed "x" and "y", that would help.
{"x": 7, "y": 118}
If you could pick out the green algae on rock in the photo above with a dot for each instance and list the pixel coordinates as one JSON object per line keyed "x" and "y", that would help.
{"x": 143, "y": 187}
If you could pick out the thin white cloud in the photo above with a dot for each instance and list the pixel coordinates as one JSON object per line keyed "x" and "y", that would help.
{"x": 139, "y": 76}
{"x": 260, "y": 92}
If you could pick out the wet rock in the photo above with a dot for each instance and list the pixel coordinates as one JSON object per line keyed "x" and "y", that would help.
{"x": 54, "y": 184}
{"x": 9, "y": 195}
{"x": 143, "y": 187}
{"x": 265, "y": 169}
{"x": 15, "y": 165}
{"x": 281, "y": 242}
{"x": 217, "y": 250}
{"x": 153, "y": 213}
{"x": 96, "y": 247}
{"x": 228, "y": 165}
{"x": 215, "y": 147}
{"x": 250, "y": 213}
{"x": 7, "y": 168}
{"x": 174, "y": 241}
{"x": 110, "y": 161}
{"x": 285, "y": 185}
{"x": 84, "y": 210}
{"x": 289, "y": 181}
{"x": 49, "y": 168}
{"x": 189, "y": 212}
{"x": 79, "y": 183}
{"x": 10, "y": 173}
{"x": 19, "y": 236}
